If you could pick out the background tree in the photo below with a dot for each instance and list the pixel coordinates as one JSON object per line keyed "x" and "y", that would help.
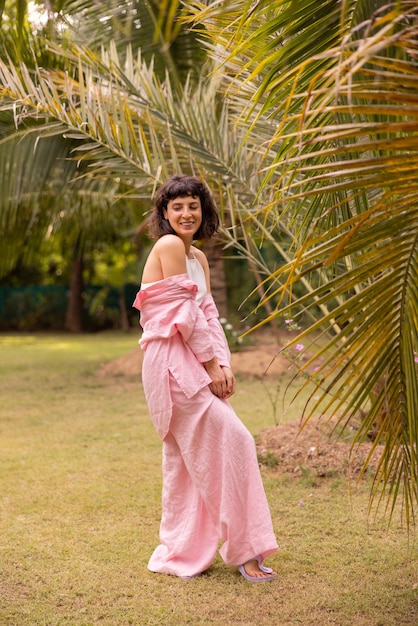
{"x": 44, "y": 191}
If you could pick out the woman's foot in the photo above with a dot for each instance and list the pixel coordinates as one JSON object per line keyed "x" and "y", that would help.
{"x": 254, "y": 572}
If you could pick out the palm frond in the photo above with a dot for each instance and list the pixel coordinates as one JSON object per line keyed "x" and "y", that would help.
{"x": 372, "y": 368}
{"x": 341, "y": 175}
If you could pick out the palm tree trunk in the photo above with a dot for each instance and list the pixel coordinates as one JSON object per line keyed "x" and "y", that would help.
{"x": 124, "y": 319}
{"x": 74, "y": 316}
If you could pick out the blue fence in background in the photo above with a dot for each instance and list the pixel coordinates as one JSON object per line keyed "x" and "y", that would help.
{"x": 44, "y": 307}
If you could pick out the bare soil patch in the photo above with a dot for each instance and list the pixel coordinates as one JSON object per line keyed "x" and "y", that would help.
{"x": 287, "y": 448}
{"x": 262, "y": 358}
{"x": 312, "y": 450}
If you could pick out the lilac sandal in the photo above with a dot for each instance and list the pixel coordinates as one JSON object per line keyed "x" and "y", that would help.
{"x": 254, "y": 579}
{"x": 266, "y": 570}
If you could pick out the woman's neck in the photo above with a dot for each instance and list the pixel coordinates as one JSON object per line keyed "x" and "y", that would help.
{"x": 187, "y": 244}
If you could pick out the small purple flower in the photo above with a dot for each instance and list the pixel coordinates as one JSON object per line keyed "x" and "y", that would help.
{"x": 299, "y": 347}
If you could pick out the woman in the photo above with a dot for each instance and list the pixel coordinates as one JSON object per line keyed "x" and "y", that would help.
{"x": 212, "y": 488}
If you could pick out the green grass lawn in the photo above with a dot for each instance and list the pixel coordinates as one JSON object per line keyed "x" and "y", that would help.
{"x": 80, "y": 485}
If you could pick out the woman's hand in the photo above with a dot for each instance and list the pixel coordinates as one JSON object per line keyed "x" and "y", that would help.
{"x": 223, "y": 380}
{"x": 230, "y": 381}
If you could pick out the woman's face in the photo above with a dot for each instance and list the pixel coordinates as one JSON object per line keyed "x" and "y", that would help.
{"x": 184, "y": 216}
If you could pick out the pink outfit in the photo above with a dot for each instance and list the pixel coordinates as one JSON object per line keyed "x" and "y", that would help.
{"x": 212, "y": 488}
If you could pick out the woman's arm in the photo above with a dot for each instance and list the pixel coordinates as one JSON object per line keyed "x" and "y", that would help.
{"x": 223, "y": 379}
{"x": 172, "y": 255}
{"x": 167, "y": 258}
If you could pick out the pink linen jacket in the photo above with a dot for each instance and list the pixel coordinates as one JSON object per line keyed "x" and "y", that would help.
{"x": 179, "y": 335}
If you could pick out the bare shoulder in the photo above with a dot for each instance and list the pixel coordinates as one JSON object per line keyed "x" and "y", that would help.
{"x": 167, "y": 258}
{"x": 170, "y": 244}
{"x": 171, "y": 253}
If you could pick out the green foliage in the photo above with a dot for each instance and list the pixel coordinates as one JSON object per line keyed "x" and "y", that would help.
{"x": 234, "y": 337}
{"x": 115, "y": 265}
{"x": 32, "y": 308}
{"x": 44, "y": 190}
{"x": 35, "y": 308}
{"x": 268, "y": 459}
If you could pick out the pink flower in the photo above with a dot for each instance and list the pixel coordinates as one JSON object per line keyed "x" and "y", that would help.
{"x": 299, "y": 347}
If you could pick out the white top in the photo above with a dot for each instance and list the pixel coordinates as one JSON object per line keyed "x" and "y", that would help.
{"x": 196, "y": 274}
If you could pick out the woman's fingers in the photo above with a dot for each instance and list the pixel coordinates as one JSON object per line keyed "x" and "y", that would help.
{"x": 229, "y": 380}
{"x": 223, "y": 381}
{"x": 218, "y": 389}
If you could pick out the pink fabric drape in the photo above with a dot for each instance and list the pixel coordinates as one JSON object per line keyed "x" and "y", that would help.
{"x": 212, "y": 488}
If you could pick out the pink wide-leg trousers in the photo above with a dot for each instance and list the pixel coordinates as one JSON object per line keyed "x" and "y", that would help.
{"x": 212, "y": 489}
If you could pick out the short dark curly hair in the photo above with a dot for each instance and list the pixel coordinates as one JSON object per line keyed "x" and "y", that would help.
{"x": 182, "y": 186}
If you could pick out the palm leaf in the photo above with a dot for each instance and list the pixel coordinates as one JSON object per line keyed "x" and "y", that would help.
{"x": 343, "y": 179}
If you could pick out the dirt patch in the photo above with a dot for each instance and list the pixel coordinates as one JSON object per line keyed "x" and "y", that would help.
{"x": 285, "y": 447}
{"x": 312, "y": 450}
{"x": 261, "y": 358}
{"x": 128, "y": 364}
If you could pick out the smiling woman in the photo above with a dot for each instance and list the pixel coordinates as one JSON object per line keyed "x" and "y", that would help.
{"x": 180, "y": 188}
{"x": 184, "y": 211}
{"x": 184, "y": 216}
{"x": 212, "y": 488}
